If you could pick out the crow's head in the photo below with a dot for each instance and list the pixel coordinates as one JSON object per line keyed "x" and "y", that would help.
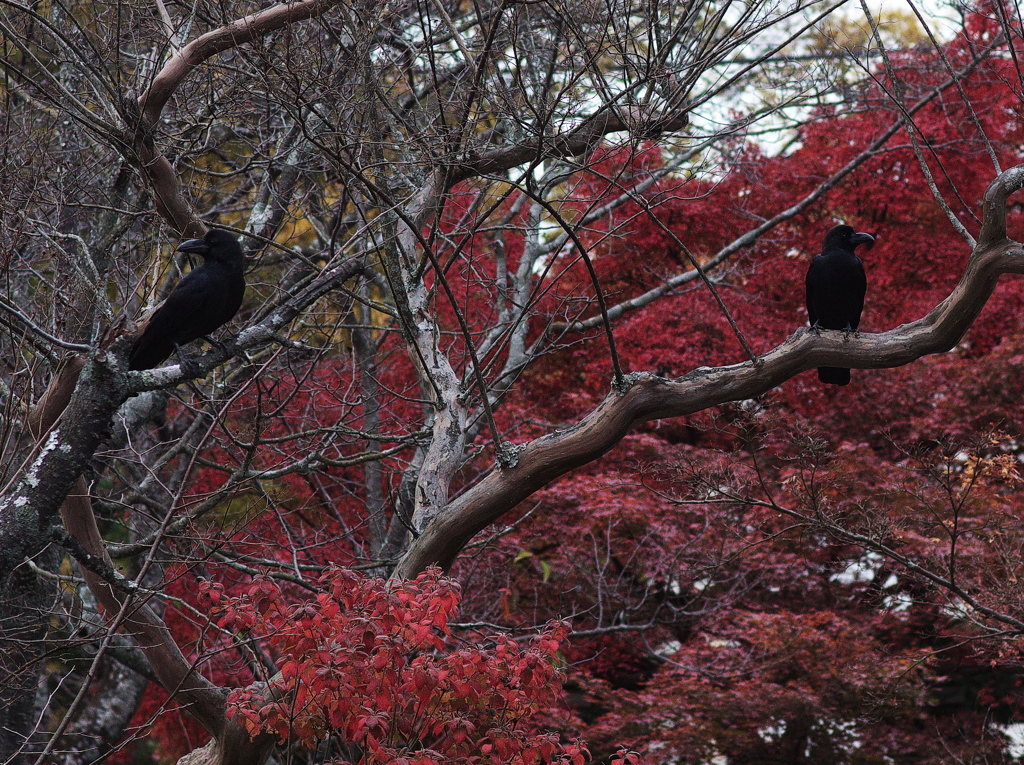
{"x": 215, "y": 245}
{"x": 845, "y": 238}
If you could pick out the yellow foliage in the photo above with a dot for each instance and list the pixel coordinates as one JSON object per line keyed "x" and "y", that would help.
{"x": 899, "y": 29}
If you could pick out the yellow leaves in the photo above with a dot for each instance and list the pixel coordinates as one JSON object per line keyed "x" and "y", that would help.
{"x": 1000, "y": 466}
{"x": 238, "y": 511}
{"x": 296, "y": 231}
{"x": 899, "y": 29}
{"x": 545, "y": 567}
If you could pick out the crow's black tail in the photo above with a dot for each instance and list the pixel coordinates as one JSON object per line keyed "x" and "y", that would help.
{"x": 148, "y": 352}
{"x": 834, "y": 375}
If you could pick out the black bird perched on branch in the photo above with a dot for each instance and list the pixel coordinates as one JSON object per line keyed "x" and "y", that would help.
{"x": 207, "y": 297}
{"x": 835, "y": 290}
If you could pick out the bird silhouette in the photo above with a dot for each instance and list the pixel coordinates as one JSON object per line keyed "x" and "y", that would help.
{"x": 836, "y": 286}
{"x": 207, "y": 297}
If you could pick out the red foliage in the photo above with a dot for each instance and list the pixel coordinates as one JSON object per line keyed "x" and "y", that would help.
{"x": 726, "y": 610}
{"x": 368, "y": 660}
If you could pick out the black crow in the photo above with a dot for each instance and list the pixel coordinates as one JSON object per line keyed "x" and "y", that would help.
{"x": 207, "y": 297}
{"x": 835, "y": 290}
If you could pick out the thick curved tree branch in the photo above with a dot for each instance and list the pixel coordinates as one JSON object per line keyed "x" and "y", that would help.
{"x": 171, "y": 203}
{"x": 29, "y": 505}
{"x": 993, "y": 226}
{"x": 651, "y": 397}
{"x": 218, "y": 40}
{"x": 174, "y": 671}
{"x": 176, "y": 674}
{"x": 176, "y": 211}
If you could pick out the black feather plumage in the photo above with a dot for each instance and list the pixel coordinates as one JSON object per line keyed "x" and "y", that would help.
{"x": 206, "y": 298}
{"x": 836, "y": 285}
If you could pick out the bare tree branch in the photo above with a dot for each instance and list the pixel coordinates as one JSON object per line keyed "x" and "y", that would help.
{"x": 218, "y": 40}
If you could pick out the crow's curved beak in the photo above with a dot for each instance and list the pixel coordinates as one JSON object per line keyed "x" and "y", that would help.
{"x": 854, "y": 240}
{"x": 200, "y": 247}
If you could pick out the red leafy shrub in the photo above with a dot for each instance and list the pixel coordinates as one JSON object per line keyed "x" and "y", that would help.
{"x": 369, "y": 661}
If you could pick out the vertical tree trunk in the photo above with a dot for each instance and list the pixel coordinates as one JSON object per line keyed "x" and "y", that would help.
{"x": 24, "y": 617}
